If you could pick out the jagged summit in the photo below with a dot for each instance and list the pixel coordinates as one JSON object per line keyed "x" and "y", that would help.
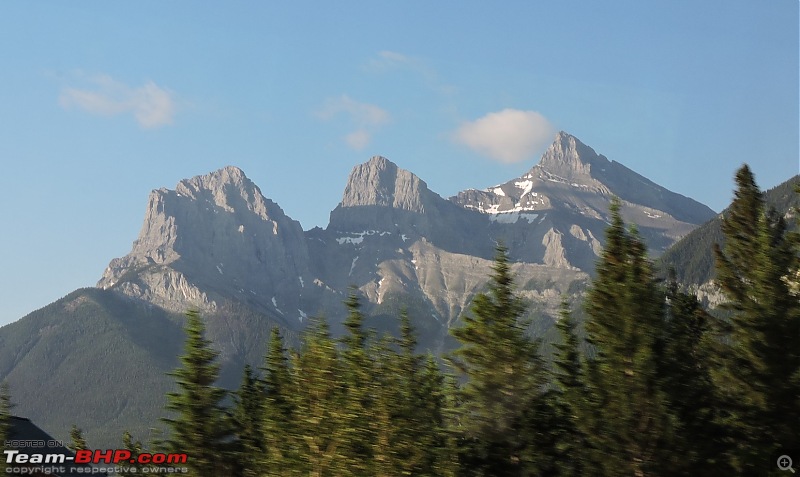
{"x": 568, "y": 157}
{"x": 380, "y": 161}
{"x": 380, "y": 182}
{"x": 228, "y": 188}
{"x": 214, "y": 236}
{"x": 575, "y": 185}
{"x": 214, "y": 180}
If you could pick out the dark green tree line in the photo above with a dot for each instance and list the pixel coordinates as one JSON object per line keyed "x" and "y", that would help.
{"x": 659, "y": 386}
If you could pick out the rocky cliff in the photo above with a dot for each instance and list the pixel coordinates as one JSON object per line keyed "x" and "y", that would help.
{"x": 215, "y": 240}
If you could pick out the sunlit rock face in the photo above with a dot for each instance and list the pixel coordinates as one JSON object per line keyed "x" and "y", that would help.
{"x": 562, "y": 204}
{"x": 216, "y": 240}
{"x": 214, "y": 237}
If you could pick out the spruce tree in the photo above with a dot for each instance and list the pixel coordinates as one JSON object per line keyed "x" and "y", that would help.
{"x": 388, "y": 420}
{"x": 452, "y": 412}
{"x": 629, "y": 425}
{"x": 319, "y": 398}
{"x": 410, "y": 401}
{"x": 77, "y": 441}
{"x": 358, "y": 374}
{"x": 438, "y": 450}
{"x": 504, "y": 376}
{"x": 398, "y": 385}
{"x": 758, "y": 359}
{"x": 136, "y": 448}
{"x": 569, "y": 398}
{"x": 5, "y": 412}
{"x": 685, "y": 374}
{"x": 278, "y": 412}
{"x": 198, "y": 425}
{"x": 246, "y": 417}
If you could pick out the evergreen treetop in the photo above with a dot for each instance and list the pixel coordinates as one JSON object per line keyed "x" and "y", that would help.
{"x": 757, "y": 372}
{"x": 199, "y": 426}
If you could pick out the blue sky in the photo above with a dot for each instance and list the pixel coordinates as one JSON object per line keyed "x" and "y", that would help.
{"x": 101, "y": 102}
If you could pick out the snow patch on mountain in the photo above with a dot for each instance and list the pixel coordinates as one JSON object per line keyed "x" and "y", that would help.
{"x": 359, "y": 237}
{"x": 526, "y": 186}
{"x": 513, "y": 217}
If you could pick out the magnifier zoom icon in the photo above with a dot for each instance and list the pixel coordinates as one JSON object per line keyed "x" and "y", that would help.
{"x": 785, "y": 463}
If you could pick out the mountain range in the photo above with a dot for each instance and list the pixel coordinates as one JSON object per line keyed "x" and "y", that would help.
{"x": 98, "y": 356}
{"x": 217, "y": 239}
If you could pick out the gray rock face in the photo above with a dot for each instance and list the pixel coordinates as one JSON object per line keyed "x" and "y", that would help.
{"x": 217, "y": 240}
{"x": 571, "y": 159}
{"x": 381, "y": 197}
{"x": 214, "y": 238}
{"x": 380, "y": 182}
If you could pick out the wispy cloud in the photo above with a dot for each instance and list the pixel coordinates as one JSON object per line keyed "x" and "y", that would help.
{"x": 358, "y": 140}
{"x": 151, "y": 105}
{"x": 507, "y": 136}
{"x": 365, "y": 118}
{"x": 392, "y": 60}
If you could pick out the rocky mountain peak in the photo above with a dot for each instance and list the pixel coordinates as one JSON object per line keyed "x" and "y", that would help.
{"x": 569, "y": 158}
{"x": 213, "y": 236}
{"x": 380, "y": 182}
{"x": 229, "y": 189}
{"x": 228, "y": 175}
{"x": 381, "y": 162}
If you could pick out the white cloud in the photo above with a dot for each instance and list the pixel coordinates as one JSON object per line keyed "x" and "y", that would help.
{"x": 151, "y": 105}
{"x": 507, "y": 136}
{"x": 358, "y": 140}
{"x": 364, "y": 117}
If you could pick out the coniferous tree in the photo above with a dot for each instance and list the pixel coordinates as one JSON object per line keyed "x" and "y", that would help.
{"x": 319, "y": 401}
{"x": 136, "y": 448}
{"x": 358, "y": 375}
{"x": 397, "y": 380}
{"x": 685, "y": 373}
{"x": 569, "y": 399}
{"x": 411, "y": 398}
{"x": 504, "y": 376}
{"x": 389, "y": 448}
{"x": 757, "y": 370}
{"x": 278, "y": 415}
{"x": 439, "y": 452}
{"x": 401, "y": 390}
{"x": 5, "y": 412}
{"x": 199, "y": 427}
{"x": 628, "y": 426}
{"x": 77, "y": 441}
{"x": 454, "y": 437}
{"x": 246, "y": 417}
